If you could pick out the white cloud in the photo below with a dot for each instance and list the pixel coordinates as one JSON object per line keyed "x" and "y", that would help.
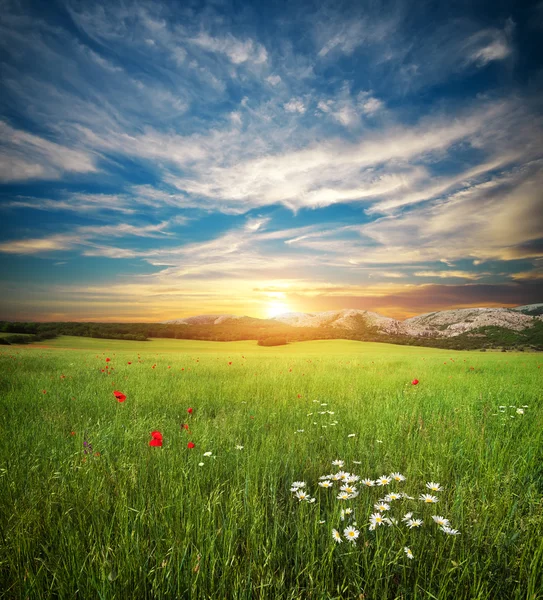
{"x": 273, "y": 79}
{"x": 238, "y": 51}
{"x": 295, "y": 105}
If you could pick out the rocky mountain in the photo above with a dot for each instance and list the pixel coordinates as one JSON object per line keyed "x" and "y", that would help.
{"x": 440, "y": 324}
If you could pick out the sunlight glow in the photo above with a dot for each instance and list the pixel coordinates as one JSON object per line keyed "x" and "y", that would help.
{"x": 276, "y": 308}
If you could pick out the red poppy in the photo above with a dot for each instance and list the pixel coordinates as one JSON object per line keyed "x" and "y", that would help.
{"x": 44, "y": 391}
{"x": 191, "y": 445}
{"x": 186, "y": 427}
{"x": 189, "y": 410}
{"x": 230, "y": 363}
{"x": 108, "y": 359}
{"x": 156, "y": 435}
{"x": 129, "y": 363}
{"x": 155, "y": 442}
{"x": 415, "y": 381}
{"x": 72, "y": 433}
{"x": 119, "y": 395}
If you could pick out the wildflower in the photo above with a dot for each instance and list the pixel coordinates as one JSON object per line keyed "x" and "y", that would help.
{"x": 368, "y": 482}
{"x": 382, "y": 506}
{"x": 352, "y": 478}
{"x": 428, "y": 498}
{"x": 301, "y": 495}
{"x": 338, "y": 463}
{"x": 397, "y": 477}
{"x": 200, "y": 464}
{"x": 239, "y": 447}
{"x": 343, "y": 475}
{"x": 346, "y": 512}
{"x": 208, "y": 453}
{"x": 435, "y": 487}
{"x": 390, "y": 521}
{"x": 343, "y": 496}
{"x": 415, "y": 382}
{"x": 376, "y": 519}
{"x": 321, "y": 522}
{"x": 325, "y": 477}
{"x": 190, "y": 411}
{"x": 408, "y": 553}
{"x": 119, "y": 395}
{"x": 351, "y": 533}
{"x": 326, "y": 484}
{"x": 298, "y": 484}
{"x": 404, "y": 495}
{"x": 441, "y": 520}
{"x": 336, "y": 536}
{"x": 449, "y": 530}
{"x": 407, "y": 516}
{"x": 414, "y": 523}
{"x": 191, "y": 445}
{"x": 520, "y": 411}
{"x": 383, "y": 480}
{"x": 156, "y": 438}
{"x": 108, "y": 359}
{"x": 392, "y": 496}
{"x": 348, "y": 488}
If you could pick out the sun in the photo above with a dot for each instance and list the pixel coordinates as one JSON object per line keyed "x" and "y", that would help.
{"x": 276, "y": 308}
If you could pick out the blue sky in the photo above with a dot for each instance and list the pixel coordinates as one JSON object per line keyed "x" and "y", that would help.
{"x": 165, "y": 159}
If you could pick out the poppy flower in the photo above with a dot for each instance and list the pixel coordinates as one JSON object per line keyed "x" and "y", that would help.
{"x": 415, "y": 382}
{"x": 108, "y": 359}
{"x": 185, "y": 426}
{"x": 156, "y": 435}
{"x": 191, "y": 445}
{"x": 129, "y": 363}
{"x": 189, "y": 410}
{"x": 119, "y": 395}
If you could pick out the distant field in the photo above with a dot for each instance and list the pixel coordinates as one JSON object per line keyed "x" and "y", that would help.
{"x": 89, "y": 510}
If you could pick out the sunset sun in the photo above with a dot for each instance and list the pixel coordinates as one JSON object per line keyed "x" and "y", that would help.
{"x": 275, "y": 309}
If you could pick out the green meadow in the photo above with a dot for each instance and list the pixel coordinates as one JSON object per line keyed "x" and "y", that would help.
{"x": 88, "y": 509}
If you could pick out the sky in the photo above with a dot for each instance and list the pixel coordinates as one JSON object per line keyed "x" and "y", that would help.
{"x": 162, "y": 159}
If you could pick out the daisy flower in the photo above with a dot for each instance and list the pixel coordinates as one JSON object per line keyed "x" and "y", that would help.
{"x": 208, "y": 453}
{"x": 414, "y": 523}
{"x": 449, "y": 530}
{"x": 348, "y": 488}
{"x": 376, "y": 519}
{"x": 434, "y": 487}
{"x": 368, "y": 482}
{"x": 338, "y": 463}
{"x": 239, "y": 447}
{"x": 383, "y": 480}
{"x": 408, "y": 552}
{"x": 441, "y": 521}
{"x": 428, "y": 498}
{"x": 352, "y": 478}
{"x": 301, "y": 495}
{"x": 407, "y": 516}
{"x": 382, "y": 506}
{"x": 343, "y": 496}
{"x": 404, "y": 495}
{"x": 351, "y": 533}
{"x": 392, "y": 496}
{"x": 336, "y": 536}
{"x": 326, "y": 484}
{"x": 343, "y": 475}
{"x": 520, "y": 411}
{"x": 397, "y": 477}
{"x": 298, "y": 484}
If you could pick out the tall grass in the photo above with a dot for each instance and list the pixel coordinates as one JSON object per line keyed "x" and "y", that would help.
{"x": 120, "y": 519}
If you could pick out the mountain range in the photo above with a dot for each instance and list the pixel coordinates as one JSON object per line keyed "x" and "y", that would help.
{"x": 440, "y": 324}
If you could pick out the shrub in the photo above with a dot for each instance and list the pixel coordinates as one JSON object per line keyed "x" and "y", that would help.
{"x": 273, "y": 341}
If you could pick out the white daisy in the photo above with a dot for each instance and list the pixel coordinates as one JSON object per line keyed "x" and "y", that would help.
{"x": 298, "y": 484}
{"x": 301, "y": 495}
{"x": 408, "y": 552}
{"x": 449, "y": 530}
{"x": 441, "y": 520}
{"x": 336, "y": 536}
{"x": 434, "y": 487}
{"x": 343, "y": 496}
{"x": 428, "y": 498}
{"x": 392, "y": 496}
{"x": 326, "y": 483}
{"x": 208, "y": 453}
{"x": 397, "y": 477}
{"x": 376, "y": 519}
{"x": 382, "y": 506}
{"x": 239, "y": 447}
{"x": 407, "y": 516}
{"x": 351, "y": 533}
{"x": 338, "y": 463}
{"x": 383, "y": 480}
{"x": 368, "y": 482}
{"x": 520, "y": 411}
{"x": 414, "y": 523}
{"x": 348, "y": 488}
{"x": 352, "y": 478}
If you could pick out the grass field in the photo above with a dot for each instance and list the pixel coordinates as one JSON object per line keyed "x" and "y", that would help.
{"x": 88, "y": 509}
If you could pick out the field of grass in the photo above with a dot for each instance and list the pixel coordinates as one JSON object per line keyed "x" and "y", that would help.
{"x": 88, "y": 509}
